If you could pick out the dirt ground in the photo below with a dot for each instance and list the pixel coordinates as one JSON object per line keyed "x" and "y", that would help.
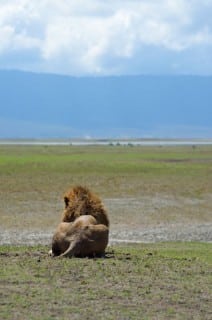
{"x": 136, "y": 220}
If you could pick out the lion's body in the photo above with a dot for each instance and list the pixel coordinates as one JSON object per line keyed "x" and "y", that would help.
{"x": 83, "y": 237}
{"x": 81, "y": 201}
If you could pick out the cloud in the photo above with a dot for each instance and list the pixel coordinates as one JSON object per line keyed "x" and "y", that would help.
{"x": 107, "y": 37}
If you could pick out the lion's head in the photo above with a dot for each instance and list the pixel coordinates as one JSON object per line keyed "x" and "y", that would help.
{"x": 81, "y": 201}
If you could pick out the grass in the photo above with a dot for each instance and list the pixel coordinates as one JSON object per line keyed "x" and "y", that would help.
{"x": 155, "y": 185}
{"x": 34, "y": 178}
{"x": 160, "y": 281}
{"x": 108, "y": 167}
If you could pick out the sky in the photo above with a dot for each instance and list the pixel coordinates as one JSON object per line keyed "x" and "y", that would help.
{"x": 102, "y": 38}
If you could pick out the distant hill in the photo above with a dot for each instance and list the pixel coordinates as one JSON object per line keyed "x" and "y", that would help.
{"x": 50, "y": 106}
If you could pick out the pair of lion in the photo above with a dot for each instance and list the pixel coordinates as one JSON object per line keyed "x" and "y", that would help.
{"x": 84, "y": 229}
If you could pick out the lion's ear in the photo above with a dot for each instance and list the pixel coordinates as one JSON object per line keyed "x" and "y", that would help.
{"x": 66, "y": 200}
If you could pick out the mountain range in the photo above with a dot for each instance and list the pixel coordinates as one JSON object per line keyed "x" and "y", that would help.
{"x": 54, "y": 106}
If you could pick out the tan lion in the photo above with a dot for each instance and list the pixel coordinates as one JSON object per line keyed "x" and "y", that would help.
{"x": 81, "y": 238}
{"x": 81, "y": 201}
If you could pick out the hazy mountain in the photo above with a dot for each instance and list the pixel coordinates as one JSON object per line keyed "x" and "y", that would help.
{"x": 42, "y": 105}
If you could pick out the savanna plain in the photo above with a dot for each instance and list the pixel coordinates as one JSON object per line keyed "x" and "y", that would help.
{"x": 159, "y": 260}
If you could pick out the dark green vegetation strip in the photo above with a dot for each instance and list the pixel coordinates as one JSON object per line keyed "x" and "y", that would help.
{"x": 161, "y": 281}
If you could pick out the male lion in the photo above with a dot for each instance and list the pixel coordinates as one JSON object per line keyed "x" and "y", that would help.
{"x": 81, "y": 238}
{"x": 81, "y": 201}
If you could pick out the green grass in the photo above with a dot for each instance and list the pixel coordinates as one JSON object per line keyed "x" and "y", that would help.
{"x": 34, "y": 178}
{"x": 147, "y": 281}
{"x": 157, "y": 281}
{"x": 106, "y": 168}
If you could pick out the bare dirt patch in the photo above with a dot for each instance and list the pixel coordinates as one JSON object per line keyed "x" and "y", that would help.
{"x": 145, "y": 219}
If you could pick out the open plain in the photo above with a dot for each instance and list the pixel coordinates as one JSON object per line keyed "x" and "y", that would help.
{"x": 159, "y": 260}
{"x": 151, "y": 193}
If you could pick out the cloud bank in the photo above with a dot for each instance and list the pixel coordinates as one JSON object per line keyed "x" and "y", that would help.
{"x": 96, "y": 37}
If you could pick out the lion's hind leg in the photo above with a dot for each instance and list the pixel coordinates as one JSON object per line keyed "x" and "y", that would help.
{"x": 89, "y": 241}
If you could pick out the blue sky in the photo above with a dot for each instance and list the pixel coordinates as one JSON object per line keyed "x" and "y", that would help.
{"x": 113, "y": 37}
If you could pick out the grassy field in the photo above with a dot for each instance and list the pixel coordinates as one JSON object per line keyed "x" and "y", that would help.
{"x": 160, "y": 281}
{"x": 142, "y": 187}
{"x": 133, "y": 170}
{"x": 33, "y": 180}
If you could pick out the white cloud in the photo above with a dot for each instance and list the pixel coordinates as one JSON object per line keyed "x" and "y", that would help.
{"x": 106, "y": 37}
{"x": 6, "y": 34}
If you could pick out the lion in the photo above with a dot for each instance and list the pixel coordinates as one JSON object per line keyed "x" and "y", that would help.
{"x": 81, "y": 238}
{"x": 81, "y": 201}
